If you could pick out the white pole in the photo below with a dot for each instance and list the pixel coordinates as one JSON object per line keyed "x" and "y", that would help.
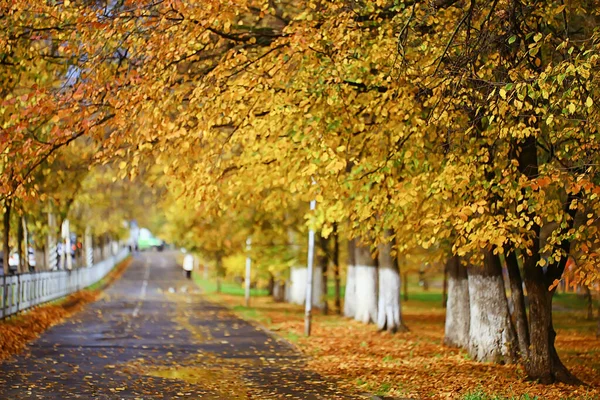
{"x": 309, "y": 276}
{"x": 248, "y": 271}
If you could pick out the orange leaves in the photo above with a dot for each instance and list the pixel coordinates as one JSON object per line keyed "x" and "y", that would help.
{"x": 540, "y": 183}
{"x": 416, "y": 364}
{"x": 16, "y": 333}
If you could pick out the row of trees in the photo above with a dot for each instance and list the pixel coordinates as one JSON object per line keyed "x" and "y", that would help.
{"x": 465, "y": 127}
{"x": 60, "y": 147}
{"x": 466, "y": 130}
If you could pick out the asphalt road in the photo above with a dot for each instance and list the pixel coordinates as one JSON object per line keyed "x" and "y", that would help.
{"x": 152, "y": 335}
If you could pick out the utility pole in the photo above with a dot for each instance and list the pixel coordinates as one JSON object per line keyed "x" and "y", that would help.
{"x": 248, "y": 270}
{"x": 309, "y": 276}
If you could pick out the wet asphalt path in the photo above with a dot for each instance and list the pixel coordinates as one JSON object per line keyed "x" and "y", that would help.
{"x": 152, "y": 335}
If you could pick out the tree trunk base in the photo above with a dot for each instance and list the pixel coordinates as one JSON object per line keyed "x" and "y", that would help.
{"x": 558, "y": 372}
{"x": 397, "y": 329}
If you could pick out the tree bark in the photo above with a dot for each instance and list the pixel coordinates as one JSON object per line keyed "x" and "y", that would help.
{"x": 20, "y": 236}
{"x": 279, "y": 290}
{"x": 336, "y": 270}
{"x": 491, "y": 334}
{"x": 518, "y": 300}
{"x": 219, "y": 268}
{"x": 322, "y": 263}
{"x": 598, "y": 327}
{"x": 271, "y": 285}
{"x": 458, "y": 314}
{"x": 5, "y": 237}
{"x": 590, "y": 303}
{"x": 405, "y": 291}
{"x": 543, "y": 364}
{"x": 389, "y": 315}
{"x": 26, "y": 242}
{"x": 445, "y": 287}
{"x": 350, "y": 295}
{"x": 366, "y": 285}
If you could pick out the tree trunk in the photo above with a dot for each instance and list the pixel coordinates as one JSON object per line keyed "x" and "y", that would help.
{"x": 101, "y": 245}
{"x": 445, "y": 287}
{"x": 6, "y": 244}
{"x": 350, "y": 295}
{"x": 297, "y": 285}
{"x": 322, "y": 263}
{"x": 543, "y": 364}
{"x": 423, "y": 280}
{"x": 366, "y": 285}
{"x": 318, "y": 294}
{"x": 20, "y": 236}
{"x": 279, "y": 290}
{"x": 491, "y": 334}
{"x": 598, "y": 327}
{"x": 405, "y": 280}
{"x": 590, "y": 303}
{"x": 336, "y": 270}
{"x": 389, "y": 315}
{"x": 26, "y": 243}
{"x": 44, "y": 266}
{"x": 458, "y": 314}
{"x": 219, "y": 268}
{"x": 271, "y": 285}
{"x": 518, "y": 300}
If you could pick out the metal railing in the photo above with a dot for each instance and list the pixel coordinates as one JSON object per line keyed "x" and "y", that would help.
{"x": 23, "y": 291}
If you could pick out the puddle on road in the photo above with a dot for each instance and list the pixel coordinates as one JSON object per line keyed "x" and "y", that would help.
{"x": 218, "y": 381}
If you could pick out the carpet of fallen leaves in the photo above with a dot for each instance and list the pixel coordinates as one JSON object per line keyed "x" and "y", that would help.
{"x": 18, "y": 330}
{"x": 415, "y": 364}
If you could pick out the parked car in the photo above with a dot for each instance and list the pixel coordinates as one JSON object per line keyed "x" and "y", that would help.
{"x": 147, "y": 241}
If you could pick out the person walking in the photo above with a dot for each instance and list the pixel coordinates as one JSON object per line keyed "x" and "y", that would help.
{"x": 188, "y": 265}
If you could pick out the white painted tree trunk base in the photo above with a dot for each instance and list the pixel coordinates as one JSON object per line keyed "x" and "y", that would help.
{"x": 491, "y": 335}
{"x": 389, "y": 310}
{"x": 458, "y": 314}
{"x": 350, "y": 295}
{"x": 297, "y": 287}
{"x": 366, "y": 293}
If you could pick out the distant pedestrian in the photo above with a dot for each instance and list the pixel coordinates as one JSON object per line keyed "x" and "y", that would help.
{"x": 188, "y": 265}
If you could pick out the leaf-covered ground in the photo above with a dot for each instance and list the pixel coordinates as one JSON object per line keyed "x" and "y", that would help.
{"x": 18, "y": 330}
{"x": 415, "y": 364}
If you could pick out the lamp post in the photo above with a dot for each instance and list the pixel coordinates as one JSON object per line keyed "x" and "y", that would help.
{"x": 248, "y": 271}
{"x": 309, "y": 276}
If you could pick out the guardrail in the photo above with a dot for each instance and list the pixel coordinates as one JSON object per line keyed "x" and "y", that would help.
{"x": 23, "y": 291}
